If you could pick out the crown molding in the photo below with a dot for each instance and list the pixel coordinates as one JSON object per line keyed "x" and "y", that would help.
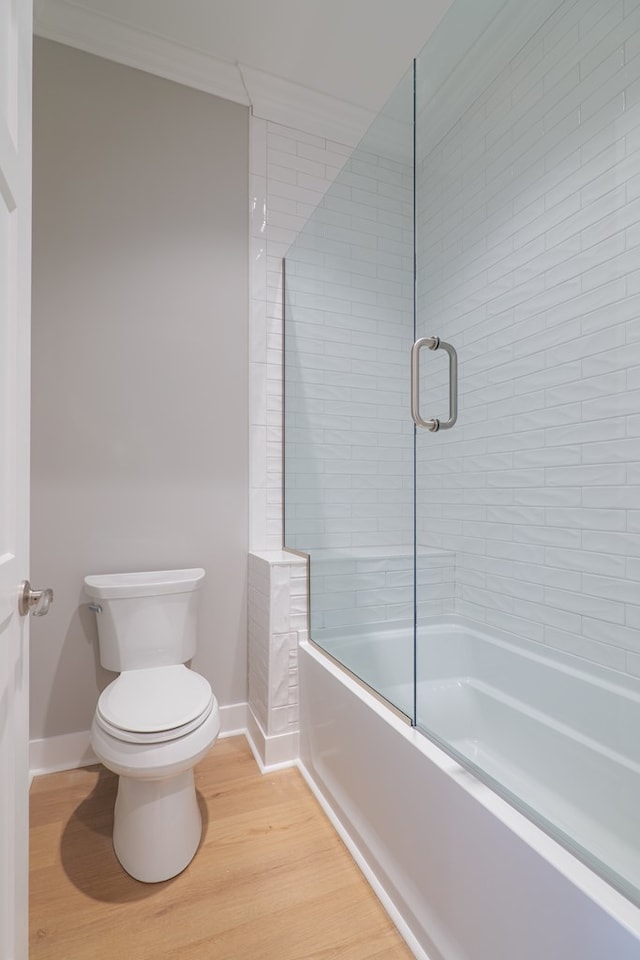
{"x": 270, "y": 97}
{"x": 72, "y": 24}
{"x": 281, "y": 101}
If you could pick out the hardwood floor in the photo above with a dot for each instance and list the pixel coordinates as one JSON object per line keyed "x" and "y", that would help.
{"x": 271, "y": 880}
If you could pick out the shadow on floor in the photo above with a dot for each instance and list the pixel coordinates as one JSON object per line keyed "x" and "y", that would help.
{"x": 86, "y": 850}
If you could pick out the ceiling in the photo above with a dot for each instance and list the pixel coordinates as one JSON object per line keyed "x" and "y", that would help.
{"x": 352, "y": 50}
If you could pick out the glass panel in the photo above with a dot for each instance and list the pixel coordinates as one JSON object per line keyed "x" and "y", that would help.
{"x": 348, "y": 438}
{"x": 528, "y": 249}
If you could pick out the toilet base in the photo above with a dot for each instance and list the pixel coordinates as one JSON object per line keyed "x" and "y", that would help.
{"x": 157, "y": 826}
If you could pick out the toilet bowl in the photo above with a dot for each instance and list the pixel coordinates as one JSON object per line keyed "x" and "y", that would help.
{"x": 156, "y": 720}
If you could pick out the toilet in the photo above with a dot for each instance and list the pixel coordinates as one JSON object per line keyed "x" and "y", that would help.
{"x": 156, "y": 720}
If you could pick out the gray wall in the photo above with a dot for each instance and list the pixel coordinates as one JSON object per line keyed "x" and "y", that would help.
{"x": 139, "y": 423}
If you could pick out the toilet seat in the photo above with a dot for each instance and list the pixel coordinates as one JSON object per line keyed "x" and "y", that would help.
{"x": 154, "y": 705}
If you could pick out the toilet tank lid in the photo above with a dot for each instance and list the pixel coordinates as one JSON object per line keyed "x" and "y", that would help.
{"x": 112, "y": 586}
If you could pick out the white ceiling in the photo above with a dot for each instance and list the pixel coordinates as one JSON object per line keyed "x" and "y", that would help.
{"x": 352, "y": 50}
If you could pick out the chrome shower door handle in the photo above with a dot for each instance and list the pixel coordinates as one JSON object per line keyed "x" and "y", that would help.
{"x": 433, "y": 424}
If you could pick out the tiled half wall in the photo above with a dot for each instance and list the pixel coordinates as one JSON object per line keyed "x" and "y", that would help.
{"x": 277, "y": 623}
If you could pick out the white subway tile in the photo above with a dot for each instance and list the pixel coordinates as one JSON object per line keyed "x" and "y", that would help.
{"x": 622, "y": 590}
{"x": 587, "y": 434}
{"x": 515, "y": 624}
{"x": 612, "y": 633}
{"x": 548, "y": 536}
{"x": 554, "y": 414}
{"x": 621, "y": 544}
{"x": 592, "y": 475}
{"x": 549, "y": 496}
{"x": 587, "y": 562}
{"x": 610, "y": 398}
{"x": 581, "y": 646}
{"x": 585, "y": 604}
{"x": 618, "y": 498}
{"x": 547, "y": 457}
{"x": 612, "y": 452}
{"x": 544, "y": 613}
{"x": 587, "y": 519}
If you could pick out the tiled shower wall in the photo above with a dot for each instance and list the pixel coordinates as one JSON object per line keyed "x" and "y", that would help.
{"x": 349, "y": 291}
{"x": 529, "y": 254}
{"x": 348, "y": 334}
{"x": 290, "y": 171}
{"x": 350, "y": 300}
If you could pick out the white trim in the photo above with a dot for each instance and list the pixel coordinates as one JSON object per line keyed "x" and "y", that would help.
{"x": 272, "y": 752}
{"x": 271, "y": 97}
{"x": 72, "y": 750}
{"x": 369, "y": 874}
{"x": 9, "y": 166}
{"x": 281, "y": 101}
{"x": 75, "y": 25}
{"x": 65, "y": 752}
{"x": 233, "y": 719}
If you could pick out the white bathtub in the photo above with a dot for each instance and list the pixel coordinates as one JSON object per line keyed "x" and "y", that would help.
{"x": 465, "y": 874}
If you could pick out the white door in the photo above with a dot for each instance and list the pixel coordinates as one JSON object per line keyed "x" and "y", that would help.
{"x": 15, "y": 282}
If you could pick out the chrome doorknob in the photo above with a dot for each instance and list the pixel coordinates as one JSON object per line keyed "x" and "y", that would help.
{"x": 36, "y": 602}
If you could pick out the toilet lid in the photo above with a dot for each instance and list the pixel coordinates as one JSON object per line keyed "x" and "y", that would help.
{"x": 155, "y": 700}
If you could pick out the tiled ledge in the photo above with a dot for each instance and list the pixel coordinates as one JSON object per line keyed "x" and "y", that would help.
{"x": 278, "y": 557}
{"x": 376, "y": 553}
{"x": 277, "y": 622}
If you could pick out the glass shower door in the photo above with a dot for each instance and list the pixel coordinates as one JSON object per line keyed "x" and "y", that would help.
{"x": 473, "y": 529}
{"x": 527, "y": 258}
{"x": 348, "y": 468}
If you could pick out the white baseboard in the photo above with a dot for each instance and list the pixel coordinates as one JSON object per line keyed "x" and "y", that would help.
{"x": 271, "y": 752}
{"x": 233, "y": 719}
{"x": 64, "y": 752}
{"x": 72, "y": 750}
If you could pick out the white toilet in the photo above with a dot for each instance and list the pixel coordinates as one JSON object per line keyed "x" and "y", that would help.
{"x": 156, "y": 720}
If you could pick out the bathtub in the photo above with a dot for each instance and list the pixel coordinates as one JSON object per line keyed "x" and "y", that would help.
{"x": 464, "y": 873}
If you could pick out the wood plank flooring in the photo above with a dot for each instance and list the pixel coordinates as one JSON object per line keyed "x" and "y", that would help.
{"x": 271, "y": 880}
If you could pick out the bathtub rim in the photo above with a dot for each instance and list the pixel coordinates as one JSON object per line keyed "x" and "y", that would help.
{"x": 595, "y": 887}
{"x": 527, "y": 646}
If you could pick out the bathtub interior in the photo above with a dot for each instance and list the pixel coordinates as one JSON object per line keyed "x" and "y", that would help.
{"x": 368, "y": 593}
{"x": 554, "y": 734}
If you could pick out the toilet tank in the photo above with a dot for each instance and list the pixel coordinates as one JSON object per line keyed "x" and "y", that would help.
{"x": 145, "y": 619}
